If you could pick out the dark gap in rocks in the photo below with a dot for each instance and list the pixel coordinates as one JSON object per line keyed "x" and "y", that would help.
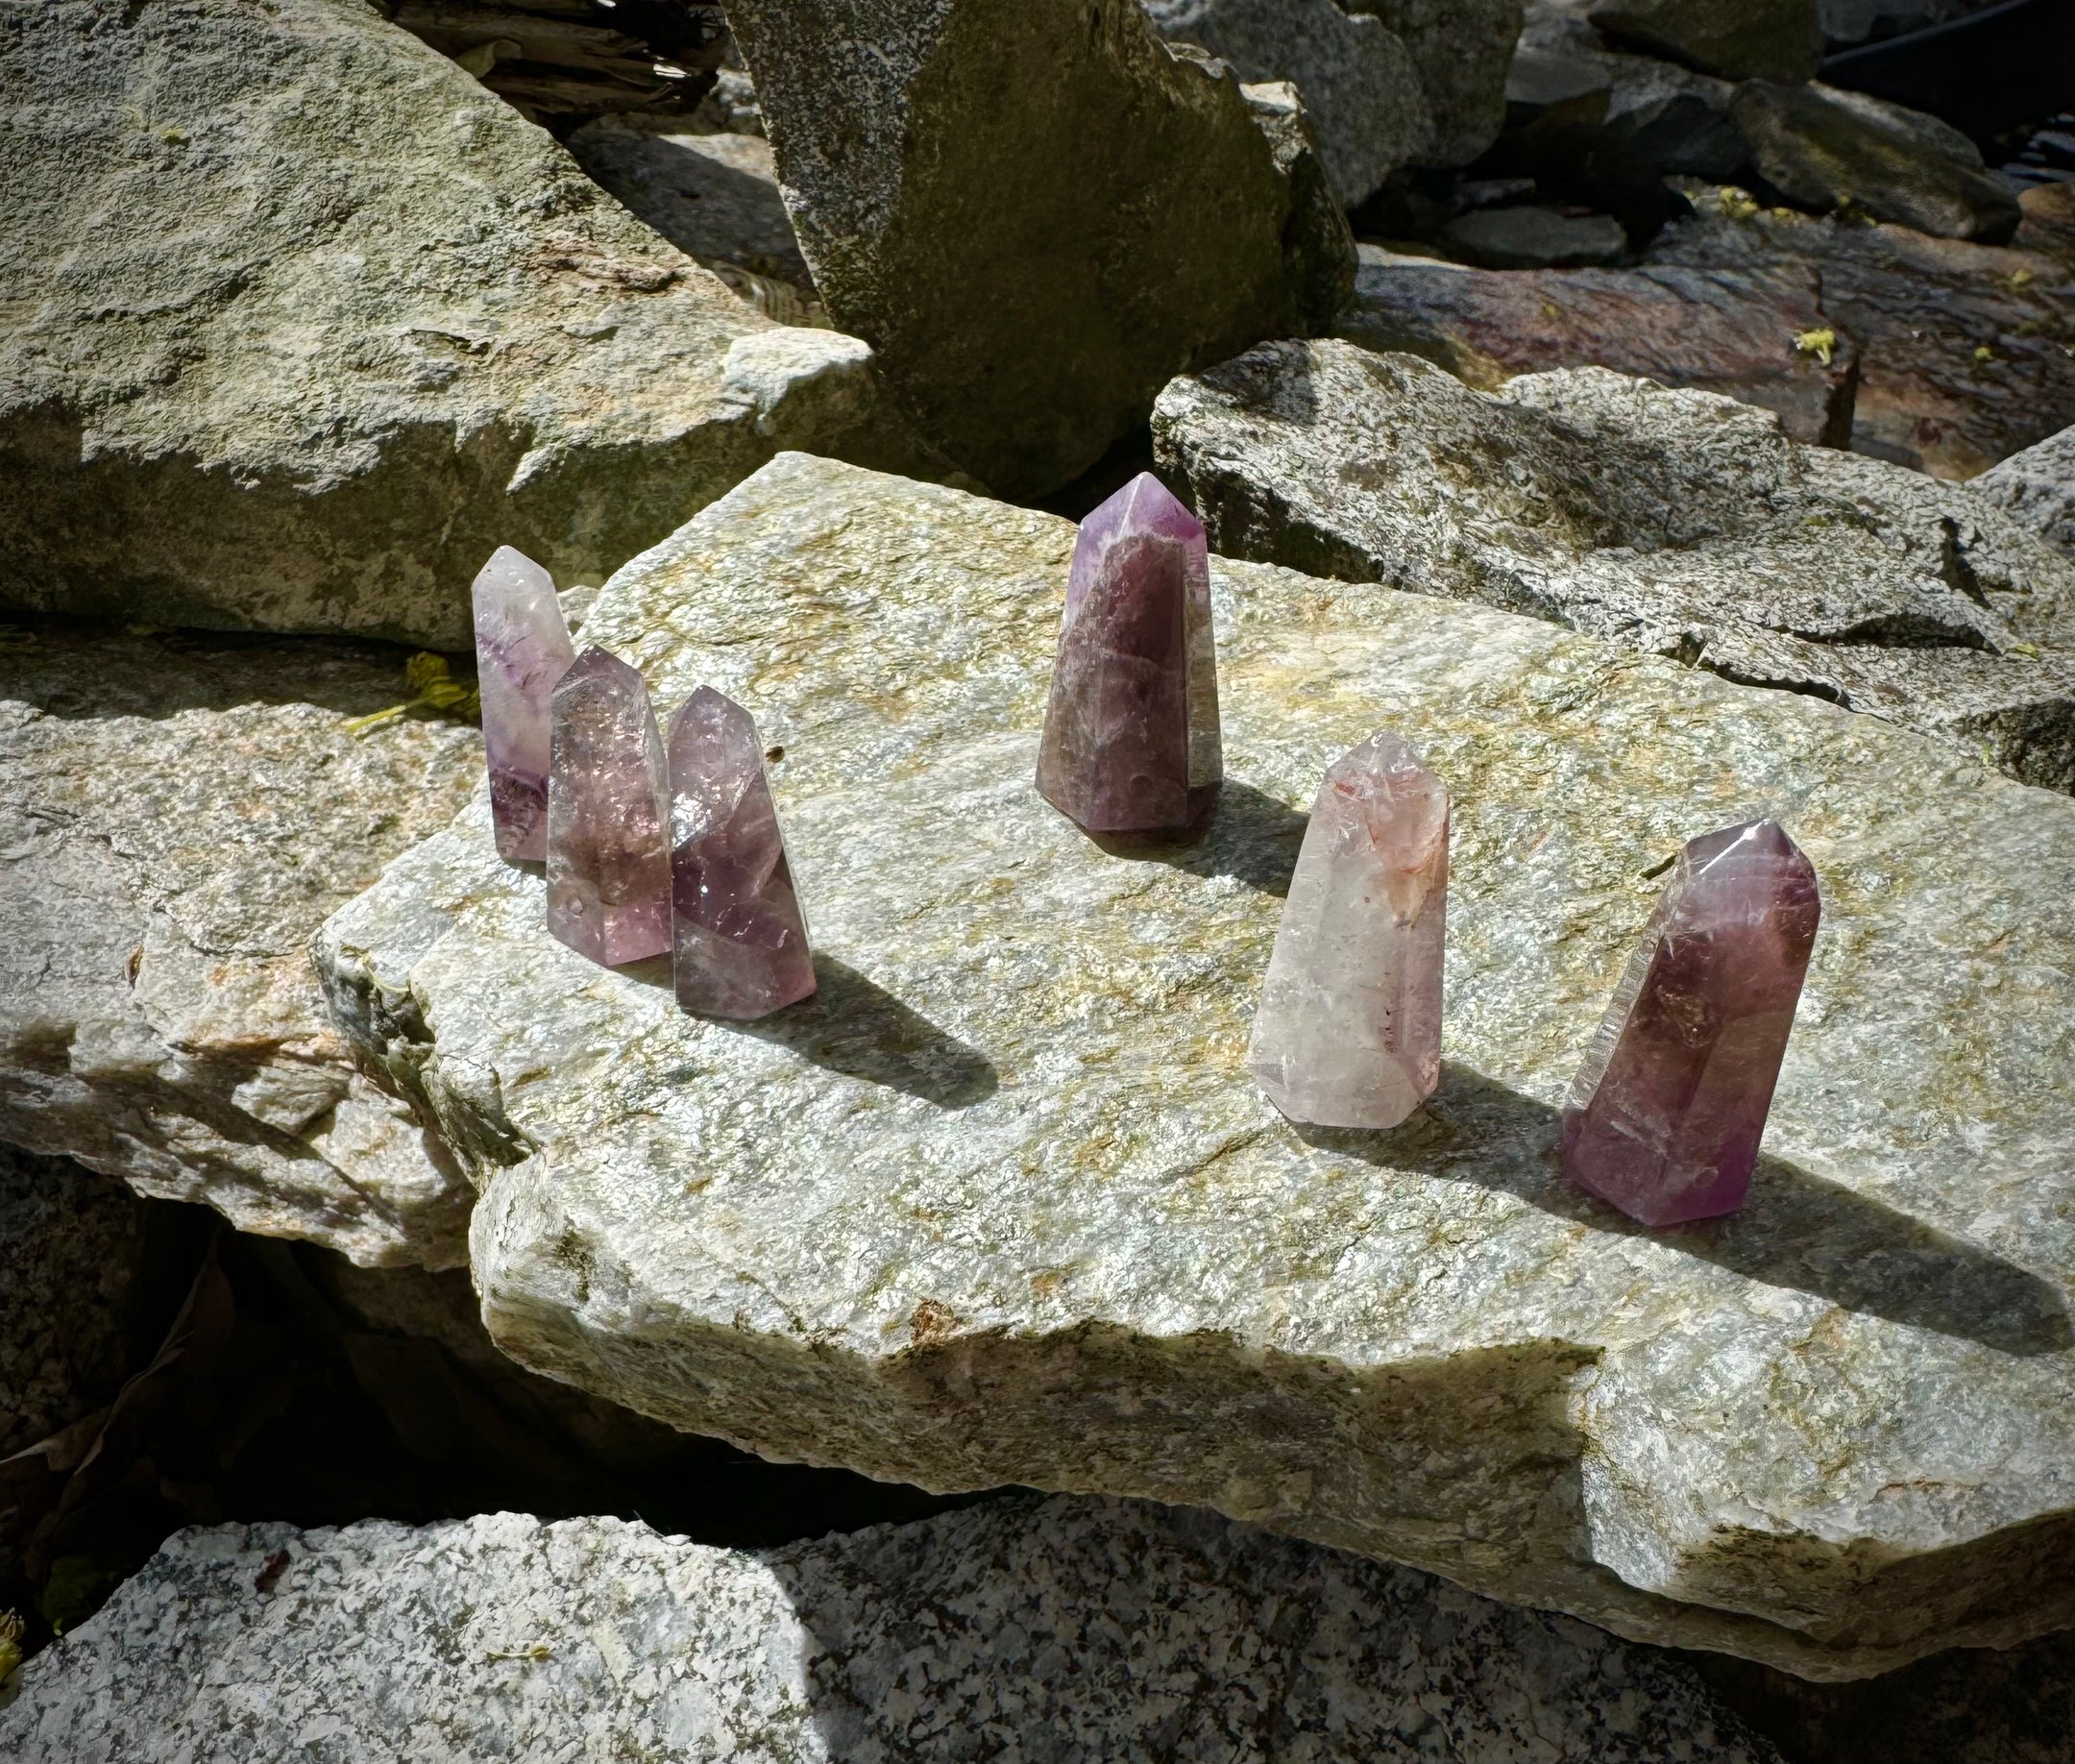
{"x": 275, "y": 1381}
{"x": 1103, "y": 479}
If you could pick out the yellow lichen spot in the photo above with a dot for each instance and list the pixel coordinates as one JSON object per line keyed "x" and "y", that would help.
{"x": 1734, "y": 204}
{"x": 535, "y": 1652}
{"x": 1983, "y": 353}
{"x": 1821, "y": 343}
{"x": 172, "y": 134}
{"x": 1548, "y": 310}
{"x": 2018, "y": 278}
{"x": 432, "y": 679}
{"x": 10, "y": 1653}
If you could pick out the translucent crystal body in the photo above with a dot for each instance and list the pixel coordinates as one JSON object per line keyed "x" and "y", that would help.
{"x": 1665, "y": 1115}
{"x": 522, "y": 649}
{"x": 739, "y": 939}
{"x": 1130, "y": 736}
{"x": 608, "y": 850}
{"x": 1349, "y": 1029}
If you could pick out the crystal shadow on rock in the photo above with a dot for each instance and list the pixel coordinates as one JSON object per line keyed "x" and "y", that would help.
{"x": 1249, "y": 836}
{"x": 850, "y": 1025}
{"x": 1796, "y": 1230}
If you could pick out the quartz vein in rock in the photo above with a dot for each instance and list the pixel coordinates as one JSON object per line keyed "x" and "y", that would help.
{"x": 522, "y": 649}
{"x": 608, "y": 852}
{"x": 1349, "y": 1029}
{"x": 1665, "y": 1115}
{"x": 1130, "y": 736}
{"x": 739, "y": 939}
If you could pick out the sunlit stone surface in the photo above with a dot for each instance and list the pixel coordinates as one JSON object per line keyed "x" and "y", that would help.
{"x": 1131, "y": 735}
{"x": 608, "y": 853}
{"x": 1349, "y": 1029}
{"x": 522, "y": 649}
{"x": 1664, "y": 1117}
{"x": 739, "y": 939}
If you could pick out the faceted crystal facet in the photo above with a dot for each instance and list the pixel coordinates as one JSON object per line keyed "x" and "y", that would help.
{"x": 1130, "y": 736}
{"x": 740, "y": 937}
{"x": 1666, "y": 1114}
{"x": 522, "y": 649}
{"x": 1349, "y": 1029}
{"x": 608, "y": 847}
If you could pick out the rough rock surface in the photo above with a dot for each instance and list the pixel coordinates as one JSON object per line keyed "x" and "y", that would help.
{"x": 1022, "y": 1630}
{"x": 1461, "y": 50}
{"x": 1774, "y": 40}
{"x": 1001, "y": 1204}
{"x": 1967, "y": 352}
{"x": 70, "y": 1245}
{"x": 177, "y": 815}
{"x": 1535, "y": 238}
{"x": 1820, "y": 148}
{"x": 2038, "y": 487}
{"x": 1361, "y": 88}
{"x": 1728, "y": 329}
{"x": 1675, "y": 522}
{"x": 358, "y": 324}
{"x": 1036, "y": 214}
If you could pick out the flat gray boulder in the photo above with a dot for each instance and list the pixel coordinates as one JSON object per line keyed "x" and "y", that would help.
{"x": 1001, "y": 1204}
{"x": 1022, "y": 1630}
{"x": 1361, "y": 87}
{"x": 1681, "y": 523}
{"x": 300, "y": 323}
{"x": 2038, "y": 487}
{"x": 176, "y": 817}
{"x": 1037, "y": 215}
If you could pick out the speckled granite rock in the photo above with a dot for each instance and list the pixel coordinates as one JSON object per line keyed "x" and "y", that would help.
{"x": 1002, "y": 1205}
{"x": 2038, "y": 487}
{"x": 1021, "y": 1629}
{"x": 1681, "y": 523}
{"x": 1037, "y": 215}
{"x": 70, "y": 1245}
{"x": 175, "y": 818}
{"x": 358, "y": 324}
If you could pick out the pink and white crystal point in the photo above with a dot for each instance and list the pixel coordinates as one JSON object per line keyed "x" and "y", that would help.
{"x": 522, "y": 649}
{"x": 1130, "y": 736}
{"x": 740, "y": 937}
{"x": 1665, "y": 1115}
{"x": 1349, "y": 1029}
{"x": 608, "y": 847}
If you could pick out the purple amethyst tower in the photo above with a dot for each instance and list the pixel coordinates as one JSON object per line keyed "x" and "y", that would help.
{"x": 1666, "y": 1114}
{"x": 1131, "y": 735}
{"x": 1348, "y": 1033}
{"x": 522, "y": 649}
{"x": 739, "y": 939}
{"x": 608, "y": 851}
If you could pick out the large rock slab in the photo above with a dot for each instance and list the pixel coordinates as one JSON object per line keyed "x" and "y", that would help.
{"x": 358, "y": 325}
{"x": 1062, "y": 1629}
{"x": 1730, "y": 329}
{"x": 176, "y": 817}
{"x": 1774, "y": 40}
{"x": 2038, "y": 487}
{"x": 1461, "y": 50}
{"x": 1037, "y": 214}
{"x": 1002, "y": 1205}
{"x": 1677, "y": 521}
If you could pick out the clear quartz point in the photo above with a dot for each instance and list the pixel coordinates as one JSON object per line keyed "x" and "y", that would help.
{"x": 739, "y": 937}
{"x": 1131, "y": 735}
{"x": 1665, "y": 1115}
{"x": 522, "y": 649}
{"x": 608, "y": 850}
{"x": 1349, "y": 1029}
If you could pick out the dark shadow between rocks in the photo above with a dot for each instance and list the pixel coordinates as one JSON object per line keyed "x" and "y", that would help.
{"x": 1796, "y": 1230}
{"x": 860, "y": 1029}
{"x": 1249, "y": 836}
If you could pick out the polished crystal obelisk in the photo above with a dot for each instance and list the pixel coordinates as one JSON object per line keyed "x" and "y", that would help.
{"x": 1348, "y": 1033}
{"x": 740, "y": 938}
{"x": 522, "y": 649}
{"x": 608, "y": 849}
{"x": 1665, "y": 1115}
{"x": 1130, "y": 736}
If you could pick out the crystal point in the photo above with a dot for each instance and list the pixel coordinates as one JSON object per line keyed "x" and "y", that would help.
{"x": 608, "y": 849}
{"x": 522, "y": 649}
{"x": 1349, "y": 1029}
{"x": 739, "y": 939}
{"x": 1665, "y": 1115}
{"x": 1130, "y": 736}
